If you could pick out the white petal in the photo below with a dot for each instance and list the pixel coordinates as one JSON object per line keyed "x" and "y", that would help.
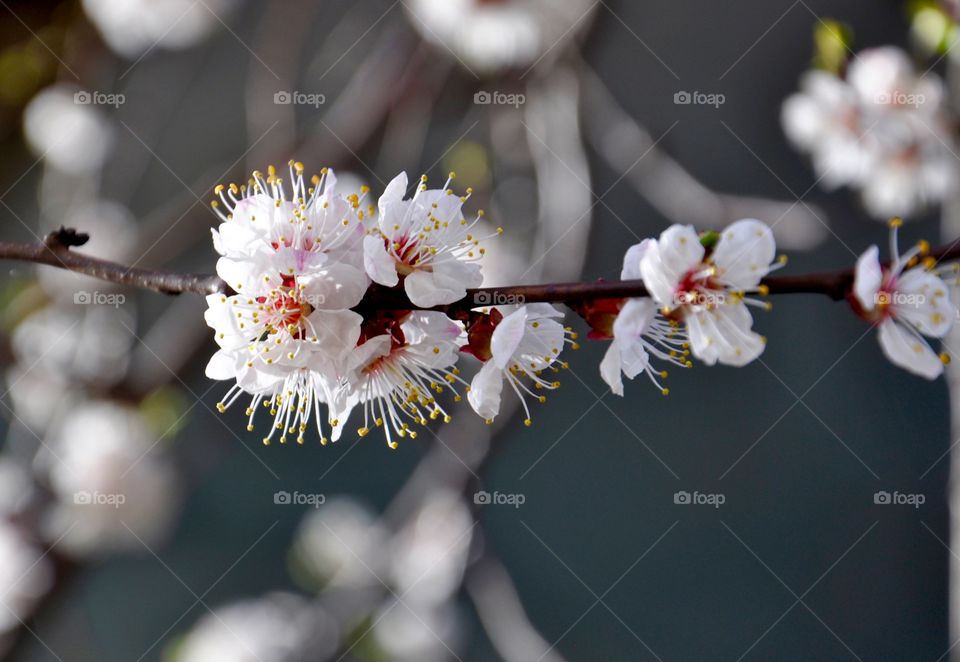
{"x": 923, "y": 300}
{"x": 448, "y": 282}
{"x": 908, "y": 351}
{"x": 868, "y": 276}
{"x": 507, "y": 336}
{"x": 393, "y": 193}
{"x": 222, "y": 365}
{"x": 744, "y": 252}
{"x": 631, "y": 261}
{"x": 610, "y": 369}
{"x": 379, "y": 265}
{"x": 485, "y": 389}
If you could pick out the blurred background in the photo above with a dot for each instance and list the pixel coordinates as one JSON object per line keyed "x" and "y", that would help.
{"x": 140, "y": 524}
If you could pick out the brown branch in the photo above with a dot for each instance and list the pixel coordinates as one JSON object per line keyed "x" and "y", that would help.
{"x": 55, "y": 251}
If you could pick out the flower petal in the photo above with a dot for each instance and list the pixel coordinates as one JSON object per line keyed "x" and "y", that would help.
{"x": 868, "y": 277}
{"x": 908, "y": 350}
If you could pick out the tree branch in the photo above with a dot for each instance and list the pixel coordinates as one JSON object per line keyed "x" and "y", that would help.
{"x": 55, "y": 251}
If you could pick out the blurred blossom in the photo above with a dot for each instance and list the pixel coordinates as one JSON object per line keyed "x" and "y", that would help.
{"x": 133, "y": 27}
{"x": 73, "y": 137}
{"x": 113, "y": 236}
{"x": 113, "y": 485}
{"x": 492, "y": 35}
{"x": 87, "y": 343}
{"x": 882, "y": 130}
{"x": 279, "y": 627}
{"x": 407, "y": 631}
{"x": 341, "y": 543}
{"x": 25, "y": 576}
{"x": 430, "y": 554}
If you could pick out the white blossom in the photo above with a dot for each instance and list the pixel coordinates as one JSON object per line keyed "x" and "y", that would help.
{"x": 279, "y": 627}
{"x": 115, "y": 490}
{"x": 882, "y": 130}
{"x": 26, "y": 574}
{"x": 426, "y": 241}
{"x": 492, "y": 36}
{"x": 905, "y": 303}
{"x": 707, "y": 291}
{"x": 639, "y": 331}
{"x": 523, "y": 344}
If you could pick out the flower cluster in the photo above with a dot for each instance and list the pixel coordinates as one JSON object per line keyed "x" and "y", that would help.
{"x": 880, "y": 129}
{"x": 299, "y": 339}
{"x": 340, "y": 304}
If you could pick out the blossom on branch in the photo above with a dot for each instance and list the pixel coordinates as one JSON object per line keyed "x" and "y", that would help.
{"x": 906, "y": 301}
{"x": 703, "y": 283}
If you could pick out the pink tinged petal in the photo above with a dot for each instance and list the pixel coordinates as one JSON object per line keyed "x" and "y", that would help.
{"x": 222, "y": 365}
{"x": 867, "y": 279}
{"x": 379, "y": 265}
{"x": 485, "y": 390}
{"x": 908, "y": 351}
{"x": 506, "y": 338}
{"x": 426, "y": 289}
{"x": 923, "y": 300}
{"x": 631, "y": 261}
{"x": 610, "y": 369}
{"x": 743, "y": 253}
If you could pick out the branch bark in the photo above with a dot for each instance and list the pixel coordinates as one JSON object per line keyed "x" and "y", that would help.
{"x": 55, "y": 251}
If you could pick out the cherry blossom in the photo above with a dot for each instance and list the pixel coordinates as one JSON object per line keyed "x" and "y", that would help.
{"x": 905, "y": 303}
{"x": 522, "y": 344}
{"x": 706, "y": 290}
{"x": 426, "y": 242}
